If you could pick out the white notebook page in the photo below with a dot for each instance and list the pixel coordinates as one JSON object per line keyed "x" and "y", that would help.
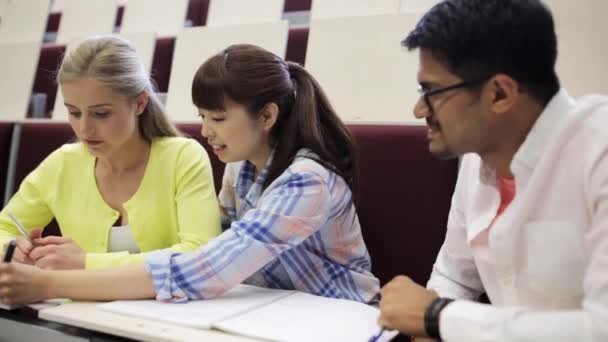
{"x": 303, "y": 317}
{"x": 200, "y": 313}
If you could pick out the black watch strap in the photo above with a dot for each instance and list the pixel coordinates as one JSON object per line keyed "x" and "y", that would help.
{"x": 431, "y": 316}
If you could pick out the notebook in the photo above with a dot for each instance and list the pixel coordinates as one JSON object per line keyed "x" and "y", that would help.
{"x": 268, "y": 314}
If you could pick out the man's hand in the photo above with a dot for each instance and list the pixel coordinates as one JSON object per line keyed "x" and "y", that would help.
{"x": 24, "y": 247}
{"x": 403, "y": 305}
{"x": 58, "y": 253}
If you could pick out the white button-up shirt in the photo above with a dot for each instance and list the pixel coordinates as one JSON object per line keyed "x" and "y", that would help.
{"x": 545, "y": 265}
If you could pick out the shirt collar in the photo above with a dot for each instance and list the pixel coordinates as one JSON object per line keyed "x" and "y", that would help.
{"x": 550, "y": 121}
{"x": 247, "y": 186}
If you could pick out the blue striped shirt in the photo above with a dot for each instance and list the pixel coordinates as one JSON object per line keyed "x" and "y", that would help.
{"x": 301, "y": 232}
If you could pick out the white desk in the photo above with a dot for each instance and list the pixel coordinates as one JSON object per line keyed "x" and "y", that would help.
{"x": 87, "y": 315}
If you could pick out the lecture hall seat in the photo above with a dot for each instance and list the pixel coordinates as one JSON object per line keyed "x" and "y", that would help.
{"x": 296, "y": 44}
{"x": 44, "y": 82}
{"x": 297, "y": 5}
{"x": 161, "y": 63}
{"x": 163, "y": 55}
{"x": 38, "y": 139}
{"x": 197, "y": 12}
{"x": 404, "y": 199}
{"x": 6, "y": 132}
{"x": 51, "y": 55}
{"x": 193, "y": 130}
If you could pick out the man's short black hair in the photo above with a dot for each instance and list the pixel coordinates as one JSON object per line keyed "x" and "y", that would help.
{"x": 476, "y": 39}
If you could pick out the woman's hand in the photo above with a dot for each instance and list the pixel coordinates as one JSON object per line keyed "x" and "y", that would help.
{"x": 58, "y": 253}
{"x": 22, "y": 284}
{"x": 24, "y": 247}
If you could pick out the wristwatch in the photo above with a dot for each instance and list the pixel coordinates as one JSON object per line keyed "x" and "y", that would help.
{"x": 431, "y": 316}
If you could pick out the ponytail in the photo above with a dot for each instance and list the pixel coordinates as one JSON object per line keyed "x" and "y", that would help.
{"x": 312, "y": 123}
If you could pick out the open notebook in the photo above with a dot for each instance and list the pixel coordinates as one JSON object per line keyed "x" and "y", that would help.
{"x": 269, "y": 314}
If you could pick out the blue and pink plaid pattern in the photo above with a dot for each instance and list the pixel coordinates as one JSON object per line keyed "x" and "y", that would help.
{"x": 301, "y": 233}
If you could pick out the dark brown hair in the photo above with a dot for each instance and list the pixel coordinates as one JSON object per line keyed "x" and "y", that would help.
{"x": 254, "y": 77}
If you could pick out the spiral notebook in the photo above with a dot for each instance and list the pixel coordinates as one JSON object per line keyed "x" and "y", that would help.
{"x": 268, "y": 314}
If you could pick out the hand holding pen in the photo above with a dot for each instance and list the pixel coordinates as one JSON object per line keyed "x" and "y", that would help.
{"x": 25, "y": 243}
{"x": 20, "y": 284}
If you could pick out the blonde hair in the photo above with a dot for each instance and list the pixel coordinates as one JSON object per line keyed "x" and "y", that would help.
{"x": 114, "y": 62}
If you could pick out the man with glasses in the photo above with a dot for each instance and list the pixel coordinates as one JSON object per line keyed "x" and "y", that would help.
{"x": 528, "y": 224}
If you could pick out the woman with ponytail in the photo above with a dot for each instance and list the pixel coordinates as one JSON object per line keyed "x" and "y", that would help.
{"x": 287, "y": 197}
{"x": 130, "y": 185}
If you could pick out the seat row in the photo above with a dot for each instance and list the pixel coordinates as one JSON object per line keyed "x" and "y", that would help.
{"x": 161, "y": 61}
{"x": 364, "y": 85}
{"x": 402, "y": 200}
{"x": 193, "y": 45}
{"x": 368, "y": 77}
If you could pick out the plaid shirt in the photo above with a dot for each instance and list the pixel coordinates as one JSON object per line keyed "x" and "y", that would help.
{"x": 301, "y": 233}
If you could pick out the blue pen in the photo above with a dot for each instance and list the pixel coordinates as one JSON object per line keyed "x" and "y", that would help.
{"x": 377, "y": 336}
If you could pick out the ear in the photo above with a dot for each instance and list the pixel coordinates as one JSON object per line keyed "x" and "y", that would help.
{"x": 269, "y": 115}
{"x": 505, "y": 93}
{"x": 141, "y": 101}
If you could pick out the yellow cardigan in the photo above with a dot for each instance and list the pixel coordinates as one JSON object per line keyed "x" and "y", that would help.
{"x": 175, "y": 205}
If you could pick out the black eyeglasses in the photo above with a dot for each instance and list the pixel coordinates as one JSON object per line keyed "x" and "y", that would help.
{"x": 427, "y": 93}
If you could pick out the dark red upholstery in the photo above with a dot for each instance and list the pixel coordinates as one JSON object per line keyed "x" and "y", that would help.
{"x": 6, "y": 132}
{"x": 161, "y": 63}
{"x": 194, "y": 131}
{"x": 197, "y": 12}
{"x": 296, "y": 45}
{"x": 52, "y": 24}
{"x": 119, "y": 15}
{"x": 44, "y": 82}
{"x": 297, "y": 5}
{"x": 404, "y": 199}
{"x": 38, "y": 140}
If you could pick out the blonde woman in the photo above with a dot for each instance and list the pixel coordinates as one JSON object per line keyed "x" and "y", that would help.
{"x": 130, "y": 185}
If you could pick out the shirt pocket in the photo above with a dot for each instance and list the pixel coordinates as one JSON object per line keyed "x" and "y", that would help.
{"x": 555, "y": 263}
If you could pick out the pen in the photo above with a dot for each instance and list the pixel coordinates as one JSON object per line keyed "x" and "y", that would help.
{"x": 377, "y": 336}
{"x": 10, "y": 249}
{"x": 21, "y": 228}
